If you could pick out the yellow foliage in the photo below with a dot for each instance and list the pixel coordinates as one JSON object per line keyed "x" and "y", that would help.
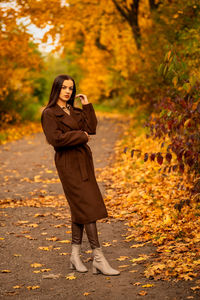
{"x": 139, "y": 193}
{"x": 70, "y": 276}
{"x": 18, "y": 59}
{"x": 15, "y": 132}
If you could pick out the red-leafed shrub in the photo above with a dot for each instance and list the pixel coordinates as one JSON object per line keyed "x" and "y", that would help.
{"x": 176, "y": 119}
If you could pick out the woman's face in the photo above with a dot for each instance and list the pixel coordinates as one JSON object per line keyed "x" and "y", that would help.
{"x": 66, "y": 90}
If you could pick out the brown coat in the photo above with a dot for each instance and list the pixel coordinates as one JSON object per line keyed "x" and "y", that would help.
{"x": 73, "y": 159}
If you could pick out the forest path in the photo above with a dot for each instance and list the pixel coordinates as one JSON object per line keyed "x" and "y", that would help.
{"x": 40, "y": 234}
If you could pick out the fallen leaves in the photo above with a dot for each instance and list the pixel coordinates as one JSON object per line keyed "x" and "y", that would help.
{"x": 29, "y": 237}
{"x": 33, "y": 225}
{"x": 147, "y": 285}
{"x": 38, "y": 200}
{"x": 45, "y": 248}
{"x": 59, "y": 225}
{"x": 17, "y": 287}
{"x": 194, "y": 288}
{"x": 147, "y": 198}
{"x": 138, "y": 245}
{"x": 141, "y": 258}
{"x": 5, "y": 271}
{"x": 51, "y": 276}
{"x": 40, "y": 215}
{"x": 36, "y": 271}
{"x": 70, "y": 276}
{"x": 53, "y": 239}
{"x": 14, "y": 132}
{"x": 106, "y": 244}
{"x": 121, "y": 258}
{"x": 86, "y": 294}
{"x": 142, "y": 293}
{"x": 41, "y": 270}
{"x": 21, "y": 222}
{"x": 88, "y": 251}
{"x": 65, "y": 241}
{"x": 36, "y": 265}
{"x": 34, "y": 287}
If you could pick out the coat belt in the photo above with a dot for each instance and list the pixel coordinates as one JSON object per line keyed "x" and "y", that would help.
{"x": 82, "y": 157}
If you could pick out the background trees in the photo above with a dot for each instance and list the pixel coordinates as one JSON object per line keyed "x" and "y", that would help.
{"x": 20, "y": 63}
{"x": 123, "y": 53}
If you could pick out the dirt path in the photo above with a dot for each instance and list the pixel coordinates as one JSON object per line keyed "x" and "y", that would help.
{"x": 41, "y": 234}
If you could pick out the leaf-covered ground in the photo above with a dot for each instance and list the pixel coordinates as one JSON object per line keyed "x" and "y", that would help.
{"x": 157, "y": 205}
{"x": 35, "y": 226}
{"x": 15, "y": 132}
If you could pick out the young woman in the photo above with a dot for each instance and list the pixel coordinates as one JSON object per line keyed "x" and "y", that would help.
{"x": 68, "y": 128}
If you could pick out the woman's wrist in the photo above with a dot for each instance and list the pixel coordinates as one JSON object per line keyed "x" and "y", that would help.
{"x": 87, "y": 135}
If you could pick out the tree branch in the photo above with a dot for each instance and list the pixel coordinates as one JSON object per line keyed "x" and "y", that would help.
{"x": 131, "y": 16}
{"x": 153, "y": 5}
{"x": 119, "y": 8}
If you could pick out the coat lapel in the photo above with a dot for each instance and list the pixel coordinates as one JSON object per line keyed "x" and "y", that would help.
{"x": 64, "y": 117}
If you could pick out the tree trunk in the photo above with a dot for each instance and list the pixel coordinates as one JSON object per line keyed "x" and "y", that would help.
{"x": 131, "y": 17}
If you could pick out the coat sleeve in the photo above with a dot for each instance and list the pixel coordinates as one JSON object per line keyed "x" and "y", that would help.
{"x": 89, "y": 119}
{"x": 56, "y": 137}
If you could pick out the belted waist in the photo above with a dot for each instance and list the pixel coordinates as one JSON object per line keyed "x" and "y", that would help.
{"x": 82, "y": 152}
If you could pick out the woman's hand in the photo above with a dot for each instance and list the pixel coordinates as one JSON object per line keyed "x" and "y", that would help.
{"x": 87, "y": 135}
{"x": 83, "y": 98}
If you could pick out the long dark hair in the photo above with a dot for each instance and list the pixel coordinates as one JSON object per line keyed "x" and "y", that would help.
{"x": 56, "y": 88}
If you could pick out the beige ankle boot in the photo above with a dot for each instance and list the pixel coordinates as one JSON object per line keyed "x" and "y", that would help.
{"x": 100, "y": 264}
{"x": 75, "y": 260}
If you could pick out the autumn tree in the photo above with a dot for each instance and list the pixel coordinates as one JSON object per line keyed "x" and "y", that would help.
{"x": 110, "y": 34}
{"x": 19, "y": 61}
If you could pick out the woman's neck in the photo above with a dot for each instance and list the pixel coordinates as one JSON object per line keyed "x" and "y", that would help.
{"x": 61, "y": 103}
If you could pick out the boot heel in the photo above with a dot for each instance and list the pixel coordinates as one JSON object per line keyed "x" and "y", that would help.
{"x": 95, "y": 270}
{"x": 71, "y": 266}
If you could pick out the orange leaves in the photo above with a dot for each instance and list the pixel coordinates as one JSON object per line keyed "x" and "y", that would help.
{"x": 137, "y": 245}
{"x": 147, "y": 285}
{"x": 38, "y": 201}
{"x": 65, "y": 242}
{"x": 36, "y": 265}
{"x": 141, "y": 258}
{"x": 45, "y": 248}
{"x": 17, "y": 287}
{"x": 155, "y": 269}
{"x": 53, "y": 239}
{"x": 194, "y": 288}
{"x": 16, "y": 132}
{"x": 5, "y": 271}
{"x": 142, "y": 293}
{"x": 70, "y": 276}
{"x": 106, "y": 244}
{"x": 34, "y": 287}
{"x": 121, "y": 258}
{"x": 18, "y": 58}
{"x": 123, "y": 266}
{"x": 140, "y": 194}
{"x": 42, "y": 270}
{"x": 86, "y": 294}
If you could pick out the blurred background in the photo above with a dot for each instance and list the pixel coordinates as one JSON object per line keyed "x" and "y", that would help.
{"x": 122, "y": 54}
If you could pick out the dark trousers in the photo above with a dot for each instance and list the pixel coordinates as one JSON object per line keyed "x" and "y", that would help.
{"x": 91, "y": 231}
